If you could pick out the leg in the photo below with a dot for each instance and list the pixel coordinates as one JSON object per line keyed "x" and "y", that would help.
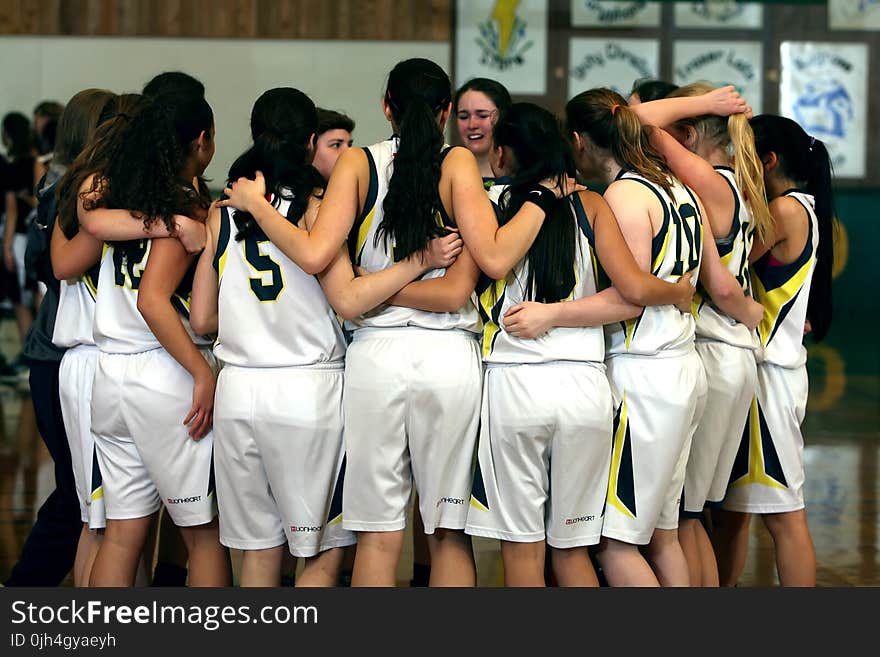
{"x": 288, "y": 569}
{"x": 572, "y": 567}
{"x": 452, "y": 558}
{"x": 667, "y": 559}
{"x": 375, "y": 562}
{"x": 262, "y": 567}
{"x": 523, "y": 563}
{"x": 421, "y": 551}
{"x": 687, "y": 538}
{"x": 209, "y": 561}
{"x": 86, "y": 550}
{"x": 795, "y": 556}
{"x": 624, "y": 565}
{"x": 120, "y": 553}
{"x": 322, "y": 569}
{"x": 730, "y": 538}
{"x": 50, "y": 550}
{"x": 709, "y": 572}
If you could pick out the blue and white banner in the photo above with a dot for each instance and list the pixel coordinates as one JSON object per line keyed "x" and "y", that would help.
{"x": 733, "y": 62}
{"x": 505, "y": 40}
{"x": 854, "y": 14}
{"x": 612, "y": 63}
{"x": 719, "y": 14}
{"x": 615, "y": 13}
{"x": 823, "y": 87}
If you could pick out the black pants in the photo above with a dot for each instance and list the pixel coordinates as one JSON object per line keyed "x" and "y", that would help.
{"x": 48, "y": 554}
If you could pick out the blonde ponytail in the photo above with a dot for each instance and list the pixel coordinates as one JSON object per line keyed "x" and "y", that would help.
{"x": 749, "y": 173}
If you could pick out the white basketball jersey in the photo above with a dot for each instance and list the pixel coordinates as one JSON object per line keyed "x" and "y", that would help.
{"x": 675, "y": 250}
{"x": 119, "y": 327}
{"x": 271, "y": 313}
{"x": 734, "y": 250}
{"x": 559, "y": 343}
{"x": 75, "y": 317}
{"x": 366, "y": 252}
{"x": 784, "y": 291}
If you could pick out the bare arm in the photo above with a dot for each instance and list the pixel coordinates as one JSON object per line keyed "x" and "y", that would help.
{"x": 725, "y": 290}
{"x": 203, "y": 315}
{"x": 723, "y": 101}
{"x": 166, "y": 267}
{"x": 697, "y": 173}
{"x": 72, "y": 258}
{"x": 312, "y": 249}
{"x": 445, "y": 294}
{"x": 496, "y": 250}
{"x": 352, "y": 295}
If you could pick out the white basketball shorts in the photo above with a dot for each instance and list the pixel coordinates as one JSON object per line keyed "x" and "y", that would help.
{"x": 544, "y": 454}
{"x": 412, "y": 409}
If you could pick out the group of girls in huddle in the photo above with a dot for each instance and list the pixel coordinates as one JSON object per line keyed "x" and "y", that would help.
{"x": 532, "y": 357}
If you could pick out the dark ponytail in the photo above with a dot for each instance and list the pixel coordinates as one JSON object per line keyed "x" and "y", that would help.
{"x": 418, "y": 90}
{"x": 804, "y": 159}
{"x": 541, "y": 151}
{"x": 283, "y": 122}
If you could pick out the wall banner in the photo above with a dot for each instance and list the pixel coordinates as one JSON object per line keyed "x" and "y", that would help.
{"x": 719, "y": 14}
{"x": 734, "y": 62}
{"x": 612, "y": 63}
{"x": 615, "y": 13}
{"x": 854, "y": 14}
{"x": 823, "y": 87}
{"x": 505, "y": 40}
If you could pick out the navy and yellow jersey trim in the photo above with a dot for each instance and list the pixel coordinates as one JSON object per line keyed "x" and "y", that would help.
{"x": 490, "y": 294}
{"x": 777, "y": 287}
{"x": 97, "y": 483}
{"x": 725, "y": 244}
{"x": 757, "y": 461}
{"x": 222, "y": 242}
{"x": 479, "y": 499}
{"x": 621, "y": 483}
{"x": 183, "y": 294}
{"x": 661, "y": 240}
{"x": 90, "y": 280}
{"x": 334, "y": 515}
{"x": 357, "y": 238}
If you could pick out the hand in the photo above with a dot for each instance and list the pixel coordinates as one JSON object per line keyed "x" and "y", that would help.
{"x": 441, "y": 252}
{"x": 192, "y": 234}
{"x": 9, "y": 258}
{"x": 725, "y": 101}
{"x": 686, "y": 289}
{"x": 569, "y": 186}
{"x": 528, "y": 320}
{"x": 755, "y": 314}
{"x": 201, "y": 414}
{"x": 808, "y": 328}
{"x": 245, "y": 194}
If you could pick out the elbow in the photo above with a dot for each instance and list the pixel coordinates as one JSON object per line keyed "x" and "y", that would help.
{"x": 346, "y": 311}
{"x": 725, "y": 293}
{"x": 147, "y": 305}
{"x": 495, "y": 270}
{"x": 202, "y": 324}
{"x": 634, "y": 294}
{"x": 455, "y": 300}
{"x": 314, "y": 263}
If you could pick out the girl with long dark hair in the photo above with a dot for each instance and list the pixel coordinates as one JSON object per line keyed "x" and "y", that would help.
{"x": 791, "y": 272}
{"x": 545, "y": 433}
{"x": 278, "y": 425}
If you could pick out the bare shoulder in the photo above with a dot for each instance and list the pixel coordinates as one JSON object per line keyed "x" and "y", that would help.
{"x": 593, "y": 202}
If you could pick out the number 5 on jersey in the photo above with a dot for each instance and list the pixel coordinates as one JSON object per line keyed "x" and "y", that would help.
{"x": 269, "y": 283}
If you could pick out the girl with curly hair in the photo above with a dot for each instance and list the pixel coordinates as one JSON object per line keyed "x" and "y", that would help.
{"x": 152, "y": 434}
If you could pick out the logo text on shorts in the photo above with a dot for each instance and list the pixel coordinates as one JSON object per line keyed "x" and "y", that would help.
{"x": 572, "y": 521}
{"x": 184, "y": 500}
{"x": 450, "y": 500}
{"x": 305, "y": 528}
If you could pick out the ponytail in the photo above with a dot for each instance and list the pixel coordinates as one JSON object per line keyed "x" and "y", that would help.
{"x": 819, "y": 309}
{"x": 613, "y": 126}
{"x": 418, "y": 90}
{"x": 804, "y": 160}
{"x": 413, "y": 197}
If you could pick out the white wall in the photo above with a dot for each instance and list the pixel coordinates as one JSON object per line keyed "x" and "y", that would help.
{"x": 347, "y": 76}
